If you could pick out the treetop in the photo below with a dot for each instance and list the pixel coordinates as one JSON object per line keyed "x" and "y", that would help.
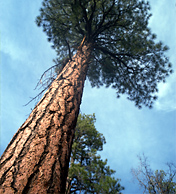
{"x": 125, "y": 54}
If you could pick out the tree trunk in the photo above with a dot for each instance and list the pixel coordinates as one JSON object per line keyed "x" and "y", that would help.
{"x": 37, "y": 158}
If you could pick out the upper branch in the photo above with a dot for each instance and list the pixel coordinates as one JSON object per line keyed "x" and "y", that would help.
{"x": 105, "y": 13}
{"x": 115, "y": 56}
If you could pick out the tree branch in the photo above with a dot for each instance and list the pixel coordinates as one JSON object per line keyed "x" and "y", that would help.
{"x": 69, "y": 50}
{"x": 40, "y": 80}
{"x": 114, "y": 55}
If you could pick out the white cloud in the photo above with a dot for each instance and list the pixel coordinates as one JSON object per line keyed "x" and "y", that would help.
{"x": 167, "y": 95}
{"x": 163, "y": 24}
{"x": 12, "y": 49}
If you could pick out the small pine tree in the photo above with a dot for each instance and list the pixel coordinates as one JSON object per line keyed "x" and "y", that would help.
{"x": 88, "y": 173}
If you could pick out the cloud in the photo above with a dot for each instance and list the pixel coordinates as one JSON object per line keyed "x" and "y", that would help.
{"x": 165, "y": 29}
{"x": 167, "y": 95}
{"x": 12, "y": 49}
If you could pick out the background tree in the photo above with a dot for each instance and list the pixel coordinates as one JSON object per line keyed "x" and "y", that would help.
{"x": 159, "y": 182}
{"x": 88, "y": 173}
{"x": 110, "y": 42}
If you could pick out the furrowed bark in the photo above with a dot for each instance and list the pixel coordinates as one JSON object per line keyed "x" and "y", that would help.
{"x": 37, "y": 158}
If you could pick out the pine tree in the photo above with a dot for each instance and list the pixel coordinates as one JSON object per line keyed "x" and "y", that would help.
{"x": 88, "y": 173}
{"x": 108, "y": 41}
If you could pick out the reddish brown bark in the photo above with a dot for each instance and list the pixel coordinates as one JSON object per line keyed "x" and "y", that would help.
{"x": 37, "y": 158}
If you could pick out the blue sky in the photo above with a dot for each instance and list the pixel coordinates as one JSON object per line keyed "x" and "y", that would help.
{"x": 26, "y": 54}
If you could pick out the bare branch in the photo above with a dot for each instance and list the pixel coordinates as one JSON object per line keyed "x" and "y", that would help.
{"x": 160, "y": 182}
{"x": 40, "y": 80}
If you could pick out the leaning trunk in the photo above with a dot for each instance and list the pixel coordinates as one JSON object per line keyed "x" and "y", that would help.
{"x": 37, "y": 158}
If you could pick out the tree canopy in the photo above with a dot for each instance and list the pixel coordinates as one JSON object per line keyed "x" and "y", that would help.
{"x": 125, "y": 54}
{"x": 88, "y": 173}
{"x": 158, "y": 182}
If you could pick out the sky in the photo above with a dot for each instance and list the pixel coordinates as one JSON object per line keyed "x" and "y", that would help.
{"x": 26, "y": 54}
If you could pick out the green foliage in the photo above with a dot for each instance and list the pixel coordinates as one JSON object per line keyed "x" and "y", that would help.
{"x": 158, "y": 182}
{"x": 125, "y": 54}
{"x": 88, "y": 173}
{"x": 162, "y": 182}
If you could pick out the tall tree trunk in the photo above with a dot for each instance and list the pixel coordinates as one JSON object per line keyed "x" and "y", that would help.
{"x": 37, "y": 158}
